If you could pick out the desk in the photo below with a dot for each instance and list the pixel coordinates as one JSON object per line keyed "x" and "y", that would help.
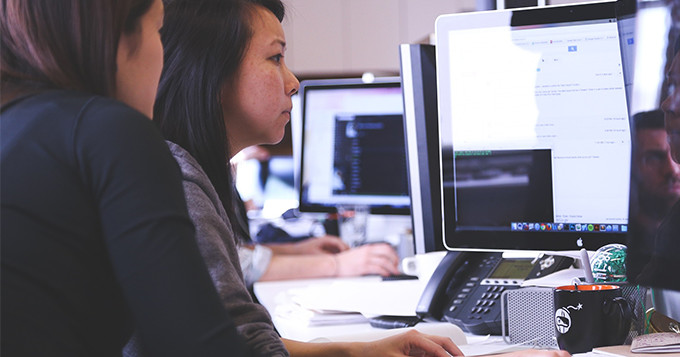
{"x": 273, "y": 294}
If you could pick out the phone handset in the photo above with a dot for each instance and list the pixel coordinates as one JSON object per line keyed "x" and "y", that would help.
{"x": 431, "y": 304}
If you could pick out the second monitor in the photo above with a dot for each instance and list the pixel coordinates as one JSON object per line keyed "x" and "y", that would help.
{"x": 353, "y": 147}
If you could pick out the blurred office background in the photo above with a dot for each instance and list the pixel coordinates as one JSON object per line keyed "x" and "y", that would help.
{"x": 347, "y": 38}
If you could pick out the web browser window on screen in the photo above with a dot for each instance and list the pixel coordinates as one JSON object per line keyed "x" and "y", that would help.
{"x": 555, "y": 92}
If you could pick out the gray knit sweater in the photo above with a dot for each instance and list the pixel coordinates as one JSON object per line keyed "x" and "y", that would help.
{"x": 217, "y": 244}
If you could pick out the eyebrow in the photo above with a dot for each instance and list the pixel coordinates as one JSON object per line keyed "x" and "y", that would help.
{"x": 280, "y": 42}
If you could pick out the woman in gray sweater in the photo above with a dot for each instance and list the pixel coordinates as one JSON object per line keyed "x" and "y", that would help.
{"x": 225, "y": 86}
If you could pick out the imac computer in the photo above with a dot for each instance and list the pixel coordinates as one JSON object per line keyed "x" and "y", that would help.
{"x": 352, "y": 148}
{"x": 534, "y": 127}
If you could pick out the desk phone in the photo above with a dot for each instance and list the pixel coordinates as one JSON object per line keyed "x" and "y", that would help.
{"x": 466, "y": 287}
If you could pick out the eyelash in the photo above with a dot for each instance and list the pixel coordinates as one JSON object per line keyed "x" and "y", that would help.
{"x": 277, "y": 58}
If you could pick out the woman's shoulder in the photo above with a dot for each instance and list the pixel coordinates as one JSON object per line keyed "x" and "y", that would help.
{"x": 71, "y": 101}
{"x": 189, "y": 165}
{"x": 198, "y": 190}
{"x": 73, "y": 108}
{"x": 103, "y": 109}
{"x": 192, "y": 172}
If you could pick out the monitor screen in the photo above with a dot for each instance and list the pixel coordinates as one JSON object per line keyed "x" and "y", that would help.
{"x": 353, "y": 147}
{"x": 534, "y": 128}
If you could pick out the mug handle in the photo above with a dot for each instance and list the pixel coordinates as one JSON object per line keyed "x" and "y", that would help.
{"x": 621, "y": 315}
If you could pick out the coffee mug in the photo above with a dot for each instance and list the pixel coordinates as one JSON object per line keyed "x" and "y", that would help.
{"x": 589, "y": 316}
{"x": 422, "y": 265}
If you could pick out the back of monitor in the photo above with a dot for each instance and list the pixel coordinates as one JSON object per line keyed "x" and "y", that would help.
{"x": 421, "y": 124}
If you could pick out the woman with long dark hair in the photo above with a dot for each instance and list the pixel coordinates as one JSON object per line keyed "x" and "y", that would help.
{"x": 96, "y": 236}
{"x": 226, "y": 87}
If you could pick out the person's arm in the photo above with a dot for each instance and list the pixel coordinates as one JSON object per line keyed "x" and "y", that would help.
{"x": 126, "y": 166}
{"x": 410, "y": 343}
{"x": 217, "y": 245}
{"x": 313, "y": 245}
{"x": 368, "y": 259}
{"x": 536, "y": 353}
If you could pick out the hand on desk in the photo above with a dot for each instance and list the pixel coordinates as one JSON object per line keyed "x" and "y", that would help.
{"x": 411, "y": 343}
{"x": 535, "y": 353}
{"x": 379, "y": 258}
{"x": 318, "y": 245}
{"x": 414, "y": 343}
{"x": 369, "y": 259}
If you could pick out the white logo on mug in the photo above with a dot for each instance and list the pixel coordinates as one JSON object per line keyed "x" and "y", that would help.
{"x": 563, "y": 318}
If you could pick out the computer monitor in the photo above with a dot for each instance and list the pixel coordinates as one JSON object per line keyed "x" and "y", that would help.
{"x": 421, "y": 125}
{"x": 353, "y": 147}
{"x": 654, "y": 240}
{"x": 534, "y": 128}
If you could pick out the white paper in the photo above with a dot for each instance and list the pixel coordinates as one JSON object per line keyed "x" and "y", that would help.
{"x": 370, "y": 298}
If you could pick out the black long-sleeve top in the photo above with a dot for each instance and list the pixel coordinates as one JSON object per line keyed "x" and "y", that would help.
{"x": 95, "y": 236}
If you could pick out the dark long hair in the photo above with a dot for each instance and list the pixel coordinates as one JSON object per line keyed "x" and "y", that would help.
{"x": 66, "y": 44}
{"x": 204, "y": 43}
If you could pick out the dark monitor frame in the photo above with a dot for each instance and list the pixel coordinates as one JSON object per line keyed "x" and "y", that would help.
{"x": 338, "y": 83}
{"x": 421, "y": 130}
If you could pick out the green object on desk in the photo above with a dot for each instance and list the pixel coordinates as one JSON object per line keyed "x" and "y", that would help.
{"x": 609, "y": 264}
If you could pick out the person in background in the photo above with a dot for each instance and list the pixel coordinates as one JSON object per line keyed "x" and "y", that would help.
{"x": 315, "y": 257}
{"x": 668, "y": 237}
{"x": 671, "y": 105}
{"x": 96, "y": 237}
{"x": 281, "y": 257}
{"x": 662, "y": 266}
{"x": 655, "y": 172}
{"x": 226, "y": 87}
{"x": 276, "y": 255}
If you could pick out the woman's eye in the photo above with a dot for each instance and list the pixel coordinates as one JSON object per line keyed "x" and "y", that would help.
{"x": 277, "y": 58}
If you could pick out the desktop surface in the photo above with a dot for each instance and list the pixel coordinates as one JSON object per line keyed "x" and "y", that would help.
{"x": 275, "y": 297}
